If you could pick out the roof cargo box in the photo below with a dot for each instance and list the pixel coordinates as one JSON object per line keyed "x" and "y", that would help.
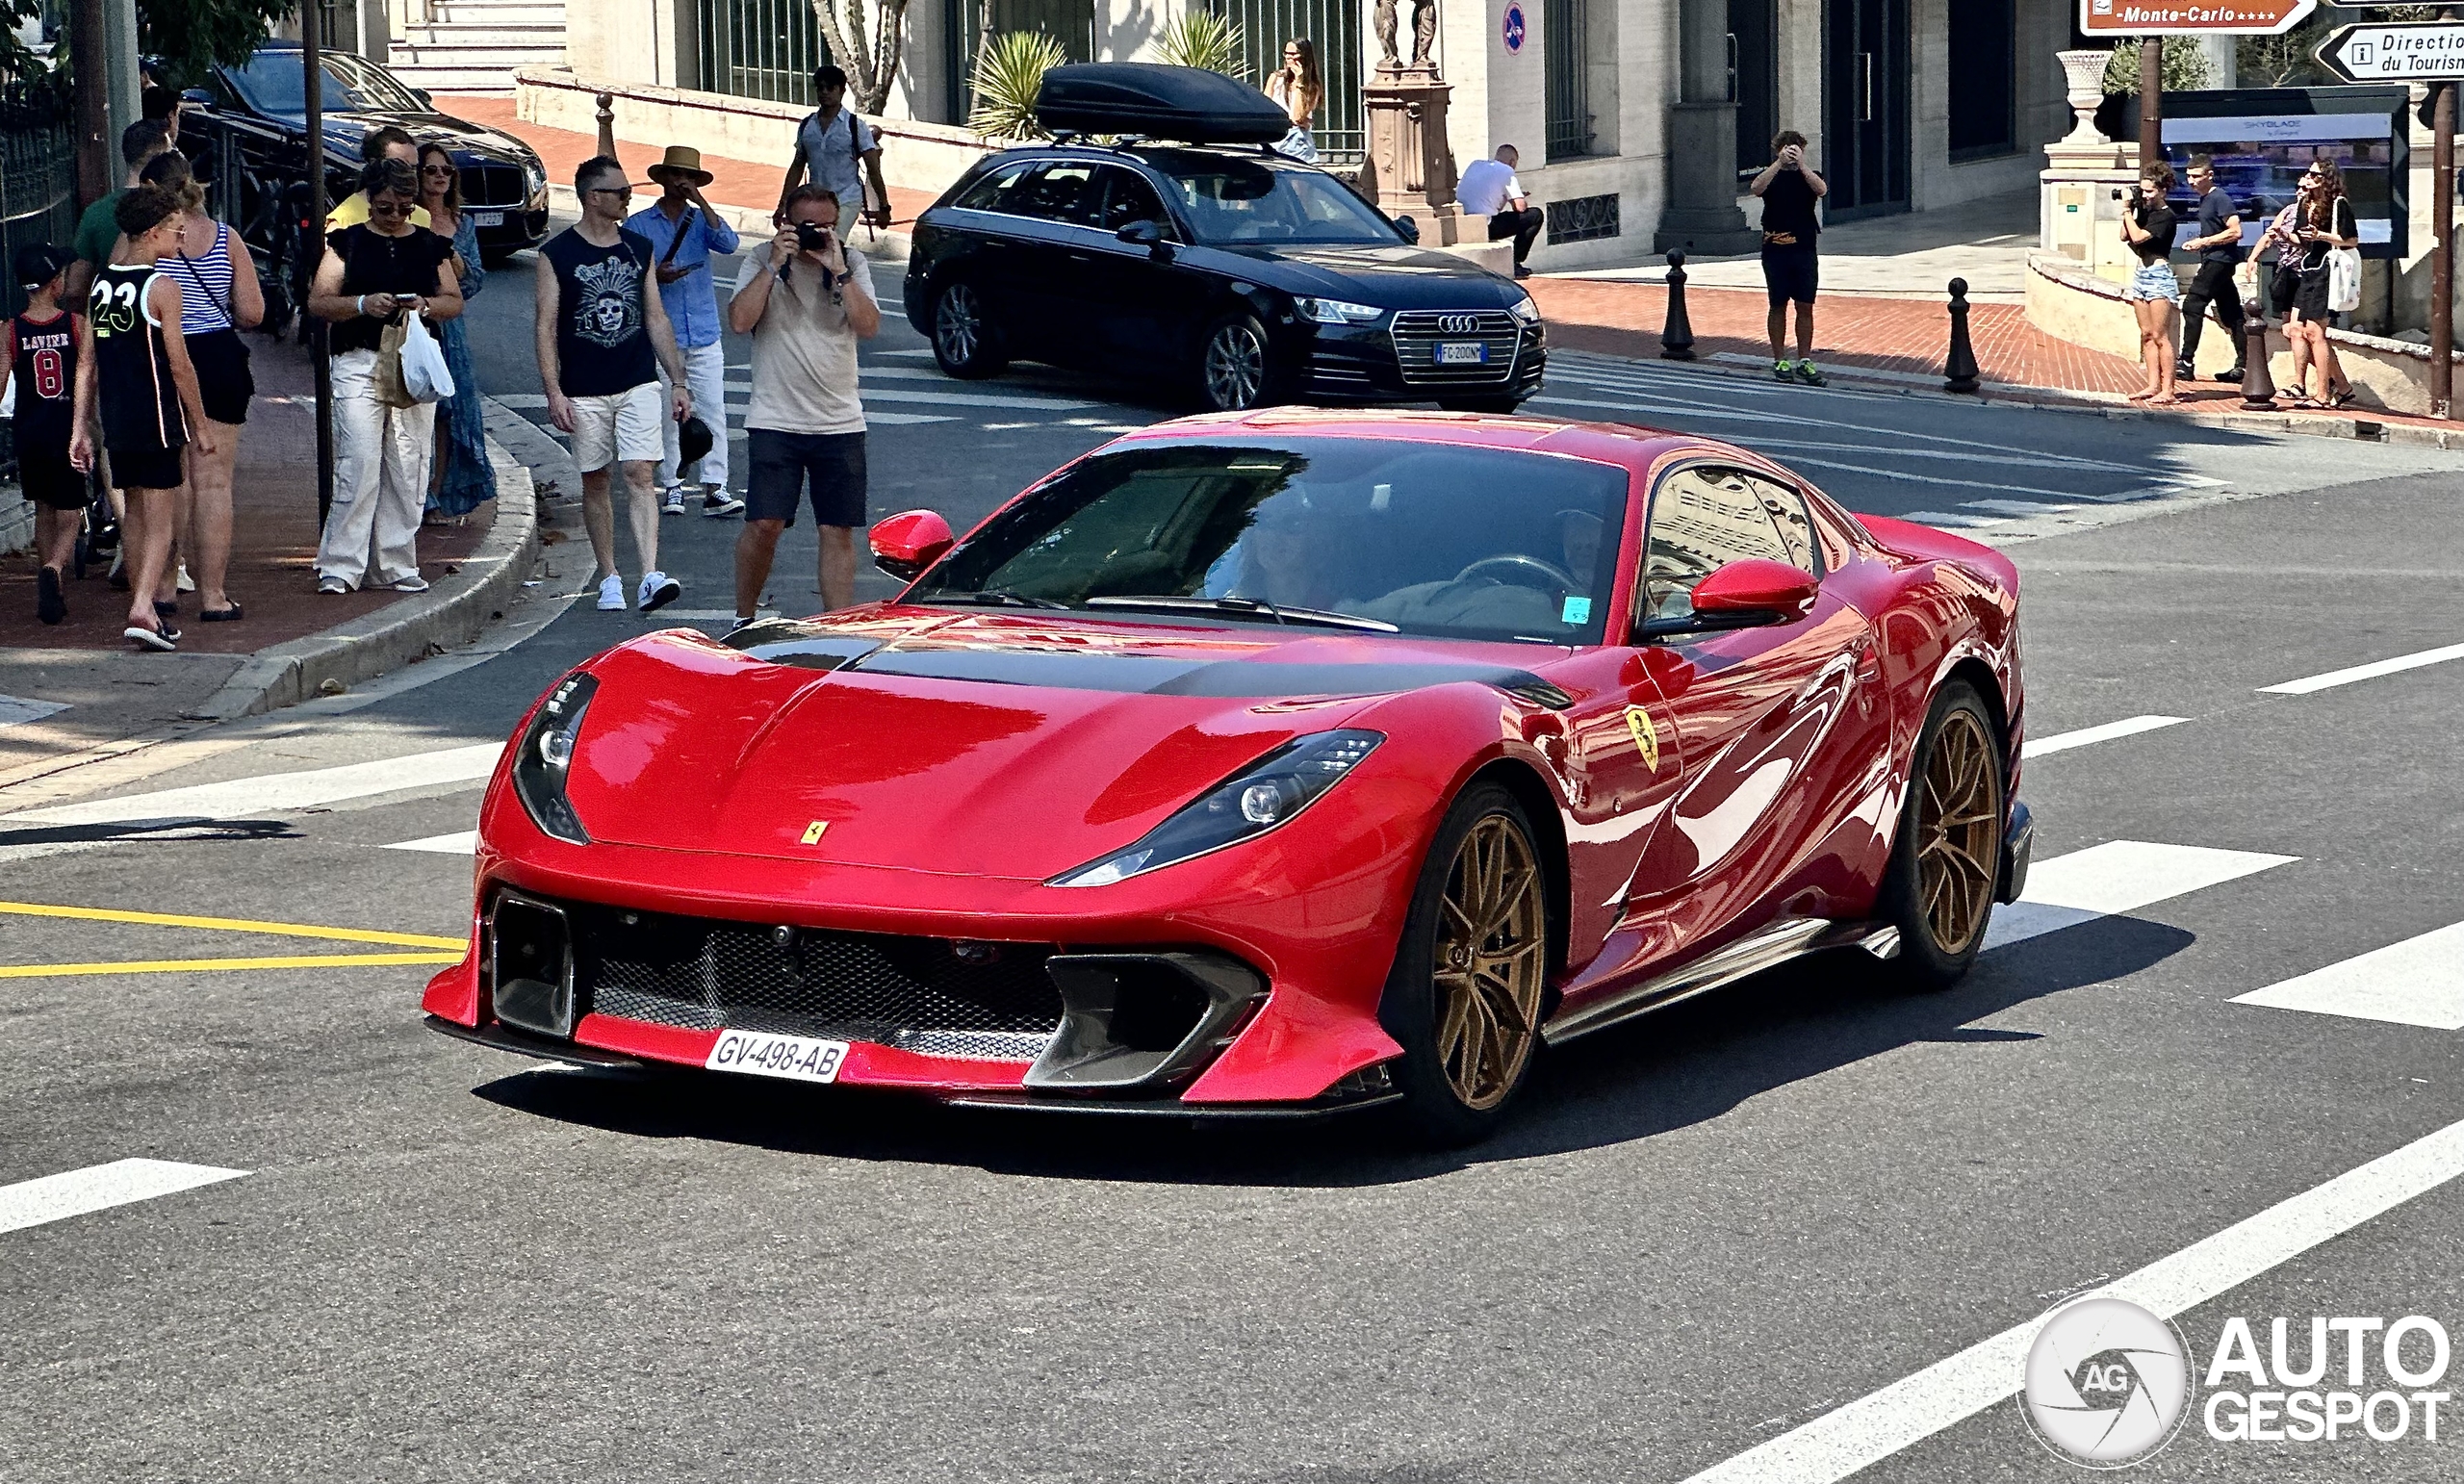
{"x": 1157, "y": 101}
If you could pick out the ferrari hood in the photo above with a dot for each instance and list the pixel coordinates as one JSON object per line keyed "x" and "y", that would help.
{"x": 988, "y": 744}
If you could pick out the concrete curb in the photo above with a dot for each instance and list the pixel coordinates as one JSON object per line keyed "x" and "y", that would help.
{"x": 752, "y": 225}
{"x": 451, "y": 612}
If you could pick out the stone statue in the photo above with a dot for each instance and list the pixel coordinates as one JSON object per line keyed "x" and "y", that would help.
{"x": 1423, "y": 33}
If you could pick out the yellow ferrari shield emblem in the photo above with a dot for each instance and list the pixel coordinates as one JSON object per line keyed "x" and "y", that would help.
{"x": 812, "y": 832}
{"x": 1646, "y": 736}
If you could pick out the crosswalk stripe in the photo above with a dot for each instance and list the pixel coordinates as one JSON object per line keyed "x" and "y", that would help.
{"x": 2064, "y": 741}
{"x": 2119, "y": 876}
{"x": 463, "y": 842}
{"x": 15, "y": 710}
{"x": 100, "y": 1188}
{"x": 307, "y": 789}
{"x": 2417, "y": 982}
{"x": 2369, "y": 672}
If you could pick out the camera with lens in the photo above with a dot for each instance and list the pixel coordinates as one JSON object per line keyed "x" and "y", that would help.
{"x": 811, "y": 237}
{"x": 2119, "y": 194}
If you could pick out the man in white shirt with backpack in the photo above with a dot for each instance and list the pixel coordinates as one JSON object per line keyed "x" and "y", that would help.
{"x": 831, "y": 143}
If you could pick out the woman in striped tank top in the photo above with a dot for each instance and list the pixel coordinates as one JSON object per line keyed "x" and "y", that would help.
{"x": 220, "y": 296}
{"x": 142, "y": 382}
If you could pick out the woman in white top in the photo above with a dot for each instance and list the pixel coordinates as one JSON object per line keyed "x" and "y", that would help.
{"x": 1297, "y": 89}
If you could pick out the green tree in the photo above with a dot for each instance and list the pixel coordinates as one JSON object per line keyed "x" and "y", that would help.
{"x": 2185, "y": 68}
{"x": 188, "y": 35}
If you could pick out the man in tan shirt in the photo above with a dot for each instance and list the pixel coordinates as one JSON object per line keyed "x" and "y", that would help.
{"x": 806, "y": 303}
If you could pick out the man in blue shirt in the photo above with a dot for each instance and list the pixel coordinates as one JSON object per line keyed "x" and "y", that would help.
{"x": 685, "y": 233}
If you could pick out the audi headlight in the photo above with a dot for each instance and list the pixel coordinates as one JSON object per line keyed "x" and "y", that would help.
{"x": 547, "y": 753}
{"x": 1247, "y": 805}
{"x": 1524, "y": 310}
{"x": 1337, "y": 311}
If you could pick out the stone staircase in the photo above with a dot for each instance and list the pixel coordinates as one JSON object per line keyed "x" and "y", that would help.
{"x": 472, "y": 46}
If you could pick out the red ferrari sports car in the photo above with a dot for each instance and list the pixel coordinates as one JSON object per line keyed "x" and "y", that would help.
{"x": 1281, "y": 762}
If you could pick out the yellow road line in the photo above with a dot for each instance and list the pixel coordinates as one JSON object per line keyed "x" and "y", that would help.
{"x": 207, "y": 965}
{"x": 231, "y": 925}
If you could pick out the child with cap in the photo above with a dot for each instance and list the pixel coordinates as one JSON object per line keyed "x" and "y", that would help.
{"x": 40, "y": 349}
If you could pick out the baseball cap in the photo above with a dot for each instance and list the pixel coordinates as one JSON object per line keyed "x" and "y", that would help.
{"x": 39, "y": 262}
{"x": 693, "y": 439}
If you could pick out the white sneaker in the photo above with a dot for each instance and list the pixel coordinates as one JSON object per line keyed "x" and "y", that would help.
{"x": 658, "y": 590}
{"x": 333, "y": 587}
{"x": 611, "y": 593}
{"x": 414, "y": 583}
{"x": 183, "y": 582}
{"x": 673, "y": 502}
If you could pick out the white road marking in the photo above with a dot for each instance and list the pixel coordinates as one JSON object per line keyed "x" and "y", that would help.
{"x": 308, "y": 789}
{"x": 2417, "y": 982}
{"x": 462, "y": 842}
{"x": 2119, "y": 876}
{"x": 2064, "y": 741}
{"x": 533, "y": 401}
{"x": 100, "y": 1188}
{"x": 973, "y": 399}
{"x": 15, "y": 710}
{"x": 2369, "y": 672}
{"x": 1952, "y": 520}
{"x": 1873, "y": 1427}
{"x": 2018, "y": 507}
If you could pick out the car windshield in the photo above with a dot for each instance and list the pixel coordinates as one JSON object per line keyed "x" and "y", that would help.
{"x": 273, "y": 84}
{"x": 1443, "y": 540}
{"x": 1230, "y": 200}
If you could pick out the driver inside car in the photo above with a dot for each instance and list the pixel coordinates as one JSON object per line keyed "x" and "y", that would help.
{"x": 1290, "y": 557}
{"x": 1509, "y": 590}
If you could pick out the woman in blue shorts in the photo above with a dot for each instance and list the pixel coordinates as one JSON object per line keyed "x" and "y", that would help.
{"x": 2155, "y": 290}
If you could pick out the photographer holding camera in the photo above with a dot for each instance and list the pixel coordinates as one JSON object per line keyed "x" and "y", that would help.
{"x": 806, "y": 303}
{"x": 2154, "y": 291}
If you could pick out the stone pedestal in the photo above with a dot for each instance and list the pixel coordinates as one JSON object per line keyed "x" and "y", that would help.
{"x": 1410, "y": 169}
{"x": 1702, "y": 219}
{"x": 2081, "y": 218}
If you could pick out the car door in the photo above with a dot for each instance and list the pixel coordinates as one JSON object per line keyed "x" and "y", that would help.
{"x": 991, "y": 253}
{"x": 1779, "y": 729}
{"x": 1055, "y": 208}
{"x": 1147, "y": 305}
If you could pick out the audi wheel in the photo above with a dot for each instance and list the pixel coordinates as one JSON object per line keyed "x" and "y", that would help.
{"x": 1232, "y": 368}
{"x": 964, "y": 342}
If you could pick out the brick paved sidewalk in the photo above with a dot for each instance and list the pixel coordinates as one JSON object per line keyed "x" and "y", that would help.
{"x": 751, "y": 185}
{"x": 273, "y": 541}
{"x": 1900, "y": 337}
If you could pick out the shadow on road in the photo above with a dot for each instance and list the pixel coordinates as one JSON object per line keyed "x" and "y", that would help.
{"x": 1683, "y": 1067}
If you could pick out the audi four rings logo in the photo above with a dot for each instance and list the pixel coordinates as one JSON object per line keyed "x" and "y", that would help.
{"x": 1457, "y": 324}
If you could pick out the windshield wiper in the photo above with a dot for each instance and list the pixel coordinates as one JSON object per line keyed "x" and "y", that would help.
{"x": 998, "y": 598}
{"x": 1244, "y": 608}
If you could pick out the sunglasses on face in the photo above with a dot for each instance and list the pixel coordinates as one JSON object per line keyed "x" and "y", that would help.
{"x": 624, "y": 190}
{"x": 388, "y": 208}
{"x": 436, "y": 169}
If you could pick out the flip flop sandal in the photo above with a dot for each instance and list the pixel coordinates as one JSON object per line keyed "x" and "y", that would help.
{"x": 229, "y": 615}
{"x": 164, "y": 640}
{"x": 167, "y": 611}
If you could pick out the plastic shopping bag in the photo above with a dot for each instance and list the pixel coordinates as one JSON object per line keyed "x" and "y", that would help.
{"x": 424, "y": 373}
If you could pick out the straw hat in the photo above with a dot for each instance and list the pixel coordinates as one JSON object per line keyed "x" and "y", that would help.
{"x": 682, "y": 160}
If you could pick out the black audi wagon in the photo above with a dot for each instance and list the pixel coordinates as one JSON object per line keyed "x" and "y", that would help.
{"x": 1238, "y": 273}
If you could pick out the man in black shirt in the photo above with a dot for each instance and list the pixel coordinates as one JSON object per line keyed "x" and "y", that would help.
{"x": 2218, "y": 246}
{"x": 1789, "y": 188}
{"x": 602, "y": 335}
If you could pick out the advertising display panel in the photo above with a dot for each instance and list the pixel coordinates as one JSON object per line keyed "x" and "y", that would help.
{"x": 2263, "y": 138}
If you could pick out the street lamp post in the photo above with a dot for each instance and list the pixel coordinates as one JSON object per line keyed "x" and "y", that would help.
{"x": 312, "y": 245}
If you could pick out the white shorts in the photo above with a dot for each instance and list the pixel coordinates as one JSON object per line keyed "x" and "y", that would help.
{"x": 622, "y": 426}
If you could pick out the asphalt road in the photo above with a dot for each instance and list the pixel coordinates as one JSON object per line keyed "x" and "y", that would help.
{"x": 1699, "y": 1235}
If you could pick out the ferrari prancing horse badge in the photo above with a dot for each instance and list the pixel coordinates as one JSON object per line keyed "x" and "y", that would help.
{"x": 1646, "y": 736}
{"x": 812, "y": 832}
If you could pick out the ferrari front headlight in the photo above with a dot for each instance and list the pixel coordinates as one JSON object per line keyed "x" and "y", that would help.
{"x": 545, "y": 754}
{"x": 1261, "y": 797}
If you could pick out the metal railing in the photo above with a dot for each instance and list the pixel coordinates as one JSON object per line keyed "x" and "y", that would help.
{"x": 1338, "y": 130}
{"x": 37, "y": 186}
{"x": 1565, "y": 34}
{"x": 759, "y": 48}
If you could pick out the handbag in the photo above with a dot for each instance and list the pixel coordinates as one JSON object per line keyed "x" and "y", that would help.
{"x": 2344, "y": 280}
{"x": 425, "y": 377}
{"x": 387, "y": 377}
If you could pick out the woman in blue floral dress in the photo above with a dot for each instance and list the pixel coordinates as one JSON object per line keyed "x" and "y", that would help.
{"x": 464, "y": 479}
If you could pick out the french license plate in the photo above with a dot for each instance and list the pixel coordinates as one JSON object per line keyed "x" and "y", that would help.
{"x": 488, "y": 218}
{"x": 760, "y": 1054}
{"x": 1462, "y": 352}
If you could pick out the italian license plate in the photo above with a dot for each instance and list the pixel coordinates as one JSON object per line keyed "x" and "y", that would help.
{"x": 488, "y": 218}
{"x": 760, "y": 1054}
{"x": 1462, "y": 352}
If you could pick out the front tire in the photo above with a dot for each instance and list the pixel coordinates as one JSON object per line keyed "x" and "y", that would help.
{"x": 964, "y": 344}
{"x": 1232, "y": 365}
{"x": 1939, "y": 891}
{"x": 1463, "y": 998}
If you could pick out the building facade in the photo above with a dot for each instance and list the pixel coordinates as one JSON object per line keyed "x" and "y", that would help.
{"x": 1638, "y": 121}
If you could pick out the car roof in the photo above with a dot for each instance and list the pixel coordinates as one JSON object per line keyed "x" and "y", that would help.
{"x": 1159, "y": 154}
{"x": 1613, "y": 443}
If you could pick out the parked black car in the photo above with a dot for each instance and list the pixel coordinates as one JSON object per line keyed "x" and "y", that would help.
{"x": 253, "y": 122}
{"x": 1240, "y": 273}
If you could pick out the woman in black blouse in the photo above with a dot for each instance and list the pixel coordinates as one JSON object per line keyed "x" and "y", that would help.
{"x": 373, "y": 274}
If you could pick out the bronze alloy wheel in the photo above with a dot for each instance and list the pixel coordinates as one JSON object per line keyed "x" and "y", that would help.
{"x": 1491, "y": 963}
{"x": 1957, "y": 832}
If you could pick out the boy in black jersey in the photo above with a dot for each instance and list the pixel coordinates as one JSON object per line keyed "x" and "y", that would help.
{"x": 40, "y": 347}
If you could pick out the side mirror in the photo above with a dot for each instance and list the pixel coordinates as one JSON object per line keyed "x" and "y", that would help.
{"x": 1410, "y": 229}
{"x": 1148, "y": 235}
{"x": 427, "y": 99}
{"x": 202, "y": 97}
{"x": 906, "y": 544}
{"x": 1752, "y": 594}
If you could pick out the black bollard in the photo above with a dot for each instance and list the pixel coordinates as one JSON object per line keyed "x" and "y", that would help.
{"x": 2258, "y": 386}
{"x": 1676, "y": 337}
{"x": 1959, "y": 373}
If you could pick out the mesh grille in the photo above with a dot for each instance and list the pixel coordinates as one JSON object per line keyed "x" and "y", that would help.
{"x": 492, "y": 185}
{"x": 915, "y": 993}
{"x": 1418, "y": 333}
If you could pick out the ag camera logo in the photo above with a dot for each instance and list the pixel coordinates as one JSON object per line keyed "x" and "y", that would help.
{"x": 2107, "y": 1383}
